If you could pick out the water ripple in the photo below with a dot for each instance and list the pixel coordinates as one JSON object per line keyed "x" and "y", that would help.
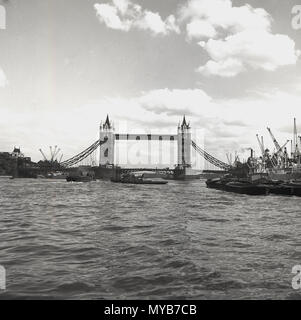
{"x": 108, "y": 241}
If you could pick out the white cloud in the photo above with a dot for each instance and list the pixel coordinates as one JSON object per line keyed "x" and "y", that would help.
{"x": 248, "y": 49}
{"x": 246, "y": 18}
{"x": 122, "y": 5}
{"x": 109, "y": 16}
{"x": 124, "y": 15}
{"x": 221, "y": 15}
{"x": 151, "y": 21}
{"x": 200, "y": 29}
{"x": 3, "y": 80}
{"x": 174, "y": 102}
{"x": 236, "y": 38}
{"x": 225, "y": 68}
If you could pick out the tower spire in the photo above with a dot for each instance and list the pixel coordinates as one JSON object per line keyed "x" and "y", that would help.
{"x": 107, "y": 124}
{"x": 107, "y": 137}
{"x": 184, "y": 124}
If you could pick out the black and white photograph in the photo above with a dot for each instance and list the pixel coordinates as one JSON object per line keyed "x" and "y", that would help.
{"x": 150, "y": 150}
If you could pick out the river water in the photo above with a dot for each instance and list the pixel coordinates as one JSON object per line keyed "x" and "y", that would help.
{"x": 102, "y": 240}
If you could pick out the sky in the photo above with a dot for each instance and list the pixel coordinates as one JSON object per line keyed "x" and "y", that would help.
{"x": 232, "y": 67}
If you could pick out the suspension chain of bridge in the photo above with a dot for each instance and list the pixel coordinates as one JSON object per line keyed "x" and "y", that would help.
{"x": 83, "y": 155}
{"x": 88, "y": 157}
{"x": 208, "y": 157}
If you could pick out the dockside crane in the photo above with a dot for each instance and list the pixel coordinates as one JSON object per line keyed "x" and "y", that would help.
{"x": 277, "y": 145}
{"x": 295, "y": 138}
{"x": 45, "y": 158}
{"x": 51, "y": 154}
{"x": 261, "y": 144}
{"x": 54, "y": 153}
{"x": 282, "y": 148}
{"x": 279, "y": 152}
{"x": 229, "y": 160}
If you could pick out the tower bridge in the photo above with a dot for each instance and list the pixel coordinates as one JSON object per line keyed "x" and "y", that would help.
{"x": 182, "y": 139}
{"x": 108, "y": 138}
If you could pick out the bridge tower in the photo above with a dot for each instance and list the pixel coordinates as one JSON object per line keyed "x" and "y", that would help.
{"x": 184, "y": 144}
{"x": 106, "y": 156}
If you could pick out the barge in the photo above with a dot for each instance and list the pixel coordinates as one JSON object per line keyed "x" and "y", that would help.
{"x": 243, "y": 186}
{"x": 137, "y": 178}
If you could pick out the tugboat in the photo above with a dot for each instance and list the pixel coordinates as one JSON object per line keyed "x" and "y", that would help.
{"x": 57, "y": 175}
{"x": 80, "y": 177}
{"x": 137, "y": 178}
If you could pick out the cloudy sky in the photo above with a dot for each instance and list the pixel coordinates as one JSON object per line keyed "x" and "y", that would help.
{"x": 231, "y": 66}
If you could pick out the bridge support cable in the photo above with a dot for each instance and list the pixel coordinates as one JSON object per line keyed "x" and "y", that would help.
{"x": 83, "y": 155}
{"x": 214, "y": 161}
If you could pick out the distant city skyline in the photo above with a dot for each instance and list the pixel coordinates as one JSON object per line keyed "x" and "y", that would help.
{"x": 232, "y": 67}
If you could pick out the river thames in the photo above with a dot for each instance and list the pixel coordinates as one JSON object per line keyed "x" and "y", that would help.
{"x": 101, "y": 240}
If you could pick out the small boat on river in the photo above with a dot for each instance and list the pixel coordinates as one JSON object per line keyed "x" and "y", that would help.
{"x": 80, "y": 178}
{"x": 137, "y": 178}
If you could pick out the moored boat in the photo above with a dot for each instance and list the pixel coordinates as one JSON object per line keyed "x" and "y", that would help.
{"x": 137, "y": 178}
{"x": 79, "y": 178}
{"x": 236, "y": 186}
{"x": 215, "y": 183}
{"x": 260, "y": 187}
{"x": 289, "y": 189}
{"x": 246, "y": 188}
